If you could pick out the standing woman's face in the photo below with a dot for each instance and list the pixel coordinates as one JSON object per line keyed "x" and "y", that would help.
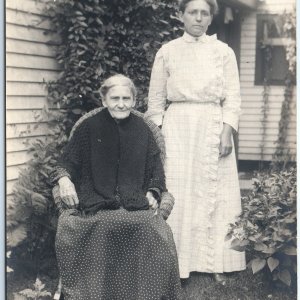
{"x": 196, "y": 17}
{"x": 119, "y": 101}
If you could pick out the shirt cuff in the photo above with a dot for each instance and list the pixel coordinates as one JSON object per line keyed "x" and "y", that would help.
{"x": 57, "y": 174}
{"x": 232, "y": 120}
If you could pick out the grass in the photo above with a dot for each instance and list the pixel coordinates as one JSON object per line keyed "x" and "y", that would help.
{"x": 200, "y": 286}
{"x": 240, "y": 286}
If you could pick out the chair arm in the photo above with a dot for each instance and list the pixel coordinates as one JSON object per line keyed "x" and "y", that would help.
{"x": 166, "y": 204}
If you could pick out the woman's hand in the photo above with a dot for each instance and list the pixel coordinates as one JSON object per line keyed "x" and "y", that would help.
{"x": 225, "y": 147}
{"x": 153, "y": 204}
{"x": 67, "y": 192}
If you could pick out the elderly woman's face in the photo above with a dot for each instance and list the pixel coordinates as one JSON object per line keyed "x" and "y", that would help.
{"x": 119, "y": 101}
{"x": 196, "y": 17}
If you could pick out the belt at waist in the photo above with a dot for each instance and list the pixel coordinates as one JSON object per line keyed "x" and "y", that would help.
{"x": 216, "y": 102}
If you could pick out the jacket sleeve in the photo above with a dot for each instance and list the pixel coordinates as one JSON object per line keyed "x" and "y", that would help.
{"x": 71, "y": 158}
{"x": 232, "y": 103}
{"x": 157, "y": 89}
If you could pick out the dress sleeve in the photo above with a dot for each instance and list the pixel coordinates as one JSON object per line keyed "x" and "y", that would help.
{"x": 157, "y": 89}
{"x": 232, "y": 103}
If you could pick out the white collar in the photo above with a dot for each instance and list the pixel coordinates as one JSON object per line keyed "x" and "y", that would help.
{"x": 204, "y": 38}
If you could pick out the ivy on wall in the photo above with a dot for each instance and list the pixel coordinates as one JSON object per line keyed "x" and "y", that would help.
{"x": 282, "y": 155}
{"x": 267, "y": 54}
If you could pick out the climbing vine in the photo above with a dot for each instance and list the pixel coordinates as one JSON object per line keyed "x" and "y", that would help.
{"x": 267, "y": 54}
{"x": 282, "y": 154}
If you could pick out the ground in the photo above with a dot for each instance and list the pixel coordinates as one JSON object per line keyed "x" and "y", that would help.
{"x": 240, "y": 286}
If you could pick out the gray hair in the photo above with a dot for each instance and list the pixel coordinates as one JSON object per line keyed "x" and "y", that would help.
{"x": 116, "y": 80}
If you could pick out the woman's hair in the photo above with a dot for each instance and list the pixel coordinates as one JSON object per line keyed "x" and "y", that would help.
{"x": 116, "y": 80}
{"x": 214, "y": 8}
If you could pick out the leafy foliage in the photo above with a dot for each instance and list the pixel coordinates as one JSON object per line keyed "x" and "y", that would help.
{"x": 289, "y": 28}
{"x": 37, "y": 293}
{"x": 267, "y": 226}
{"x": 103, "y": 37}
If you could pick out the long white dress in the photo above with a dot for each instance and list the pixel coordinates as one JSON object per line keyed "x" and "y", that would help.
{"x": 199, "y": 76}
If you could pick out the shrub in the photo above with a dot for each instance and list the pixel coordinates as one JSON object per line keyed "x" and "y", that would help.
{"x": 267, "y": 225}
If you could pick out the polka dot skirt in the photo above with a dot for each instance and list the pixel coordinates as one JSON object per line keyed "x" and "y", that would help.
{"x": 117, "y": 255}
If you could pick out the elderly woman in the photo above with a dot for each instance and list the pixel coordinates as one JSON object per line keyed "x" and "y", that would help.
{"x": 198, "y": 74}
{"x": 113, "y": 244}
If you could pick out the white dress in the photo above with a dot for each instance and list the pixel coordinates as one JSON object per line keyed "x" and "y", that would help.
{"x": 199, "y": 76}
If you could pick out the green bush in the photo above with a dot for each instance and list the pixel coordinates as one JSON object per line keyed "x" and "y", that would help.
{"x": 267, "y": 226}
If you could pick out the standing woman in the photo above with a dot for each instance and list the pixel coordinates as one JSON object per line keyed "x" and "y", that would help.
{"x": 198, "y": 74}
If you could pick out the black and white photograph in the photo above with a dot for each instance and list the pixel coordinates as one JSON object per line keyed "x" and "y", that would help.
{"x": 151, "y": 149}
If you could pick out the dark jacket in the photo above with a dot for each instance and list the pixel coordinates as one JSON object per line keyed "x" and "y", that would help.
{"x": 113, "y": 164}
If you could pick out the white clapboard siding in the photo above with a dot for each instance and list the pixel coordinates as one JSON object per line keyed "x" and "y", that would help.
{"x": 250, "y": 126}
{"x": 256, "y": 132}
{"x": 268, "y": 138}
{"x": 32, "y": 75}
{"x": 28, "y": 6}
{"x": 30, "y": 63}
{"x": 250, "y": 156}
{"x": 247, "y": 126}
{"x": 21, "y": 144}
{"x": 21, "y": 32}
{"x": 18, "y": 157}
{"x": 25, "y": 102}
{"x": 12, "y": 172}
{"x": 27, "y": 47}
{"x": 9, "y": 187}
{"x": 24, "y": 116}
{"x": 25, "y": 89}
{"x": 23, "y": 18}
{"x": 25, "y": 130}
{"x": 276, "y": 6}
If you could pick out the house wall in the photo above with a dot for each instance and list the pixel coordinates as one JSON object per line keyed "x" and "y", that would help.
{"x": 250, "y": 132}
{"x": 29, "y": 63}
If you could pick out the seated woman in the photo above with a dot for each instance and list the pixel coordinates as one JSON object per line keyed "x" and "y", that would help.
{"x": 111, "y": 243}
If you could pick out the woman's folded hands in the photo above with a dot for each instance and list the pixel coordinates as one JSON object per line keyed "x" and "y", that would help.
{"x": 69, "y": 196}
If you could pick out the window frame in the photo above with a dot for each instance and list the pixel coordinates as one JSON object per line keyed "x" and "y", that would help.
{"x": 263, "y": 38}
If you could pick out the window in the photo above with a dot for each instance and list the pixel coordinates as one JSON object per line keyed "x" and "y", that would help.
{"x": 270, "y": 43}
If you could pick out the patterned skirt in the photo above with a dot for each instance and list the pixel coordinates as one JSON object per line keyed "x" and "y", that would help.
{"x": 205, "y": 188}
{"x": 117, "y": 255}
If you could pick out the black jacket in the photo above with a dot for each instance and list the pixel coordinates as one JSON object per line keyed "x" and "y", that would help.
{"x": 113, "y": 164}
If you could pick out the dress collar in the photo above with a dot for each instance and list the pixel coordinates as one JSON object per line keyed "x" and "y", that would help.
{"x": 204, "y": 38}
